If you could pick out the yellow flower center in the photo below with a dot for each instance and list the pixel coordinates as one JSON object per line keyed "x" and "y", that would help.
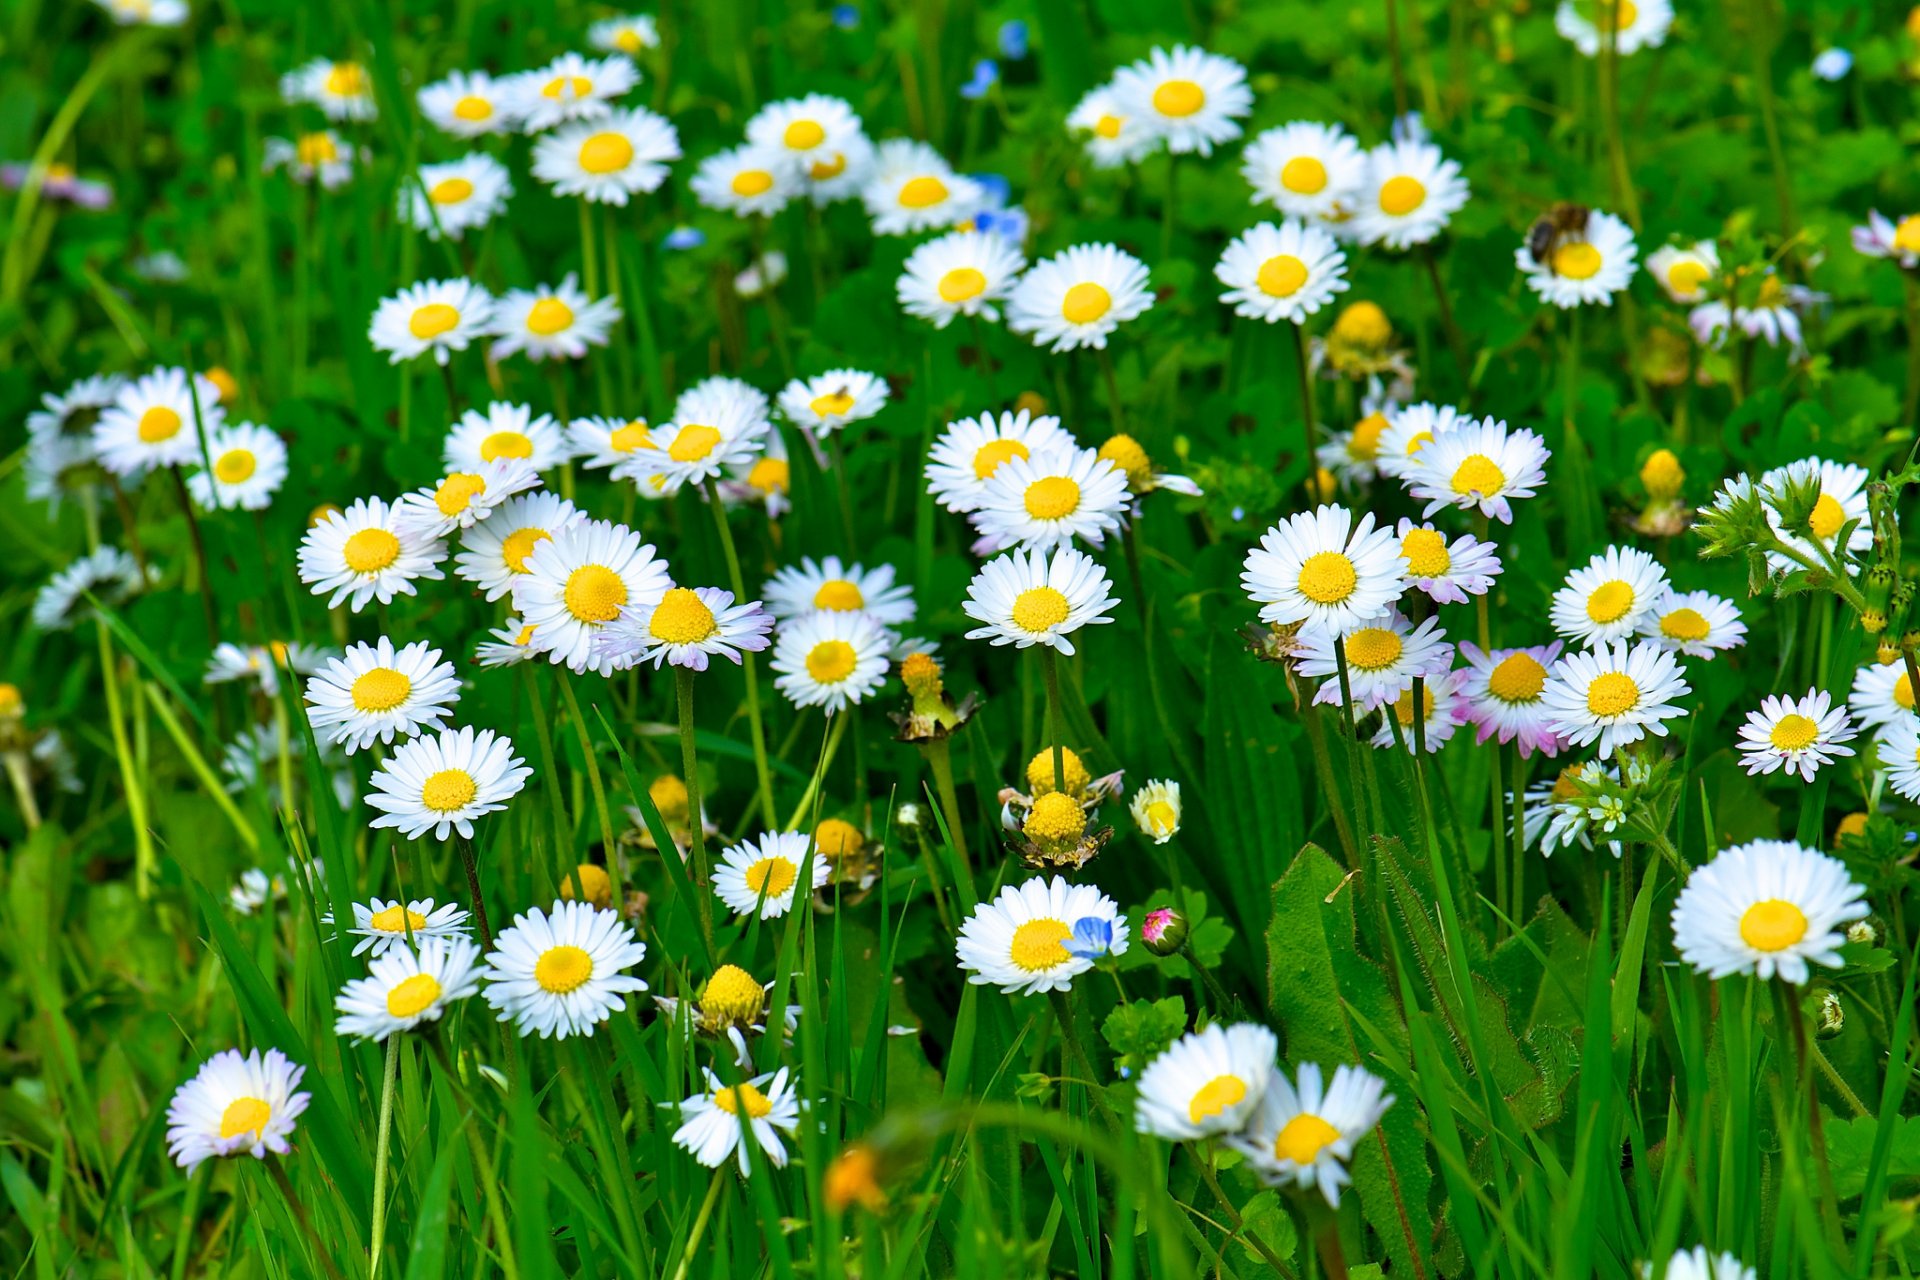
{"x": 381, "y": 689}
{"x": 588, "y": 883}
{"x": 1577, "y": 260}
{"x": 1426, "y": 554}
{"x": 397, "y": 919}
{"x": 518, "y": 545}
{"x": 1688, "y": 625}
{"x": 751, "y": 182}
{"x": 595, "y": 593}
{"x": 831, "y": 661}
{"x": 1302, "y": 1139}
{"x": 804, "y": 135}
{"x": 413, "y": 995}
{"x": 474, "y": 108}
{"x": 681, "y": 618}
{"x": 837, "y": 595}
{"x": 1052, "y": 498}
{"x": 1124, "y": 452}
{"x": 449, "y": 790}
{"x": 831, "y": 405}
{"x": 1363, "y": 324}
{"x": 922, "y": 193}
{"x": 1401, "y": 195}
{"x": 1085, "y": 303}
{"x": 561, "y": 86}
{"x": 769, "y": 475}
{"x": 1373, "y": 648}
{"x": 1327, "y": 577}
{"x": 729, "y": 1097}
{"x": 836, "y": 838}
{"x": 669, "y": 795}
{"x": 1162, "y": 820}
{"x": 1419, "y": 442}
{"x": 1907, "y": 235}
{"x": 1794, "y": 732}
{"x": 1364, "y": 445}
{"x": 1108, "y": 127}
{"x": 450, "y": 191}
{"x": 1281, "y": 276}
{"x": 693, "y": 442}
{"x": 370, "y": 550}
{"x": 628, "y": 438}
{"x": 833, "y": 167}
{"x": 771, "y": 876}
{"x": 1304, "y": 176}
{"x": 993, "y": 453}
{"x": 525, "y": 636}
{"x": 506, "y": 444}
{"x": 159, "y": 423}
{"x": 457, "y": 491}
{"x": 1478, "y": 474}
{"x": 1037, "y": 945}
{"x": 732, "y": 996}
{"x": 606, "y": 153}
{"x": 1612, "y": 693}
{"x": 1828, "y": 515}
{"x": 1072, "y": 770}
{"x": 629, "y": 40}
{"x": 1610, "y": 602}
{"x": 1040, "y": 609}
{"x": 1853, "y": 824}
{"x": 1179, "y": 98}
{"x": 1903, "y": 692}
{"x": 1518, "y": 678}
{"x": 561, "y": 969}
{"x": 315, "y": 149}
{"x": 244, "y": 1115}
{"x": 346, "y": 80}
{"x": 548, "y": 317}
{"x": 1662, "y": 474}
{"x": 1687, "y": 275}
{"x": 1215, "y": 1096}
{"x": 961, "y": 283}
{"x": 1055, "y": 823}
{"x": 234, "y": 466}
{"x": 432, "y": 320}
{"x": 1772, "y": 925}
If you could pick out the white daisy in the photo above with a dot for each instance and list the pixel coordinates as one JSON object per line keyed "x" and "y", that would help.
{"x": 493, "y": 553}
{"x": 381, "y": 925}
{"x": 323, "y": 154}
{"x": 557, "y": 973}
{"x": 1442, "y": 711}
{"x": 1800, "y": 735}
{"x": 1586, "y": 268}
{"x": 56, "y": 465}
{"x": 962, "y": 273}
{"x": 403, "y": 988}
{"x": 1078, "y": 297}
{"x": 1305, "y": 1137}
{"x": 767, "y": 479}
{"x": 468, "y": 104}
{"x": 607, "y": 160}
{"x": 1447, "y": 569}
{"x": 745, "y": 180}
{"x": 441, "y": 316}
{"x": 249, "y": 464}
{"x": 577, "y": 582}
{"x": 375, "y": 692}
{"x": 1325, "y": 571}
{"x": 1699, "y": 1264}
{"x": 1843, "y": 501}
{"x": 1051, "y": 498}
{"x": 763, "y": 875}
{"x": 629, "y": 34}
{"x": 692, "y": 450}
{"x": 1155, "y": 809}
{"x": 1684, "y": 271}
{"x": 598, "y": 443}
{"x": 1206, "y": 1083}
{"x": 1112, "y": 138}
{"x": 262, "y": 663}
{"x": 1383, "y": 657}
{"x": 1772, "y": 315}
{"x": 1281, "y": 273}
{"x": 831, "y": 660}
{"x": 342, "y": 90}
{"x": 1305, "y": 169}
{"x": 719, "y": 394}
{"x": 551, "y": 321}
{"x": 507, "y": 431}
{"x": 1027, "y": 598}
{"x": 1696, "y": 623}
{"x": 1607, "y": 598}
{"x": 1767, "y": 907}
{"x": 1477, "y": 466}
{"x": 712, "y": 1121}
{"x": 1408, "y": 195}
{"x": 571, "y": 87}
{"x": 235, "y": 1105}
{"x": 156, "y": 421}
{"x": 822, "y": 404}
{"x": 971, "y": 451}
{"x": 1882, "y": 694}
{"x": 911, "y": 188}
{"x": 1882, "y": 237}
{"x": 1410, "y": 428}
{"x": 1191, "y": 99}
{"x": 366, "y": 553}
{"x": 836, "y": 587}
{"x": 1898, "y": 753}
{"x": 819, "y": 138}
{"x": 761, "y": 275}
{"x": 1615, "y": 694}
{"x": 1502, "y": 696}
{"x": 442, "y": 783}
{"x": 686, "y": 627}
{"x": 1040, "y": 935}
{"x": 512, "y": 644}
{"x": 146, "y": 13}
{"x": 465, "y": 498}
{"x": 108, "y": 573}
{"x": 450, "y": 199}
{"x": 74, "y": 411}
{"x": 1635, "y": 24}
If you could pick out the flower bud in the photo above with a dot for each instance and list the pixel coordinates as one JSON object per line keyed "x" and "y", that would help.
{"x": 1163, "y": 932}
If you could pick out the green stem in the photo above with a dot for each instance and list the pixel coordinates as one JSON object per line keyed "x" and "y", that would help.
{"x": 1456, "y": 345}
{"x": 689, "y": 767}
{"x": 837, "y": 729}
{"x": 747, "y": 663}
{"x": 589, "y": 264}
{"x": 1309, "y": 438}
{"x": 465, "y": 846}
{"x": 1113, "y": 388}
{"x": 298, "y": 1209}
{"x": 1252, "y": 1239}
{"x": 940, "y": 761}
{"x": 199, "y": 554}
{"x": 22, "y": 781}
{"x": 1049, "y": 668}
{"x": 144, "y": 859}
{"x": 700, "y": 1222}
{"x": 594, "y": 782}
{"x": 1609, "y": 77}
{"x": 380, "y": 1151}
{"x": 1352, "y": 734}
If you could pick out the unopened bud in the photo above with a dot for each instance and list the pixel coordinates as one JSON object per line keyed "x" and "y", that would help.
{"x": 1163, "y": 932}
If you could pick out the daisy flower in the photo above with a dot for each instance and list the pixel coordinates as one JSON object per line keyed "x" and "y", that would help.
{"x": 146, "y": 13}
{"x": 712, "y": 1121}
{"x": 375, "y": 692}
{"x": 504, "y": 431}
{"x": 577, "y": 582}
{"x": 1883, "y": 238}
{"x": 1899, "y": 754}
{"x": 1040, "y": 935}
{"x": 235, "y": 1105}
{"x": 1767, "y": 907}
{"x": 1635, "y": 24}
{"x": 1078, "y": 297}
{"x": 606, "y": 160}
{"x": 1409, "y": 429}
{"x": 366, "y": 553}
{"x": 403, "y": 988}
{"x": 342, "y": 90}
{"x": 449, "y": 199}
{"x": 1615, "y": 694}
{"x": 819, "y": 138}
{"x": 1882, "y": 694}
{"x": 686, "y": 627}
{"x": 551, "y": 321}
{"x": 692, "y": 450}
{"x": 1383, "y": 657}
{"x": 1305, "y": 1137}
{"x": 1051, "y": 498}
{"x": 598, "y": 443}
{"x": 382, "y": 926}
{"x": 1325, "y": 571}
{"x": 1697, "y": 1263}
{"x": 442, "y": 783}
{"x": 829, "y": 585}
{"x": 962, "y": 273}
{"x": 1442, "y": 712}
{"x": 1502, "y": 695}
{"x": 56, "y": 465}
{"x": 911, "y": 188}
{"x": 1189, "y": 98}
{"x": 719, "y": 394}
{"x": 108, "y": 573}
{"x": 1607, "y": 598}
{"x": 745, "y": 180}
{"x": 971, "y": 451}
{"x": 468, "y": 104}
{"x": 262, "y": 663}
{"x": 1800, "y": 735}
{"x": 1773, "y": 316}
{"x": 75, "y": 410}
{"x": 1478, "y": 466}
{"x": 764, "y": 273}
{"x": 1843, "y": 500}
{"x": 1447, "y": 569}
{"x": 1305, "y": 169}
{"x": 1281, "y": 273}
{"x": 441, "y": 316}
{"x": 1206, "y": 1083}
{"x": 570, "y": 88}
{"x": 152, "y": 422}
{"x": 762, "y": 876}
{"x": 323, "y": 154}
{"x": 1408, "y": 194}
{"x": 822, "y": 404}
{"x": 512, "y": 644}
{"x": 628, "y": 34}
{"x": 1111, "y": 137}
{"x": 831, "y": 659}
{"x": 1683, "y": 271}
{"x": 767, "y": 479}
{"x": 1027, "y": 598}
{"x": 1155, "y": 809}
{"x": 493, "y": 553}
{"x": 1126, "y": 453}
{"x": 1698, "y": 624}
{"x": 249, "y": 464}
{"x": 558, "y": 973}
{"x": 1588, "y": 268}
{"x": 465, "y": 498}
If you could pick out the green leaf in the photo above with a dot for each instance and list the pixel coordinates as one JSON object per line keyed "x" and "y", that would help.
{"x": 1140, "y": 1031}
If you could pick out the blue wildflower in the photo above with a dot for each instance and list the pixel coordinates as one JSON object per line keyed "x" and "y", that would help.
{"x": 985, "y": 73}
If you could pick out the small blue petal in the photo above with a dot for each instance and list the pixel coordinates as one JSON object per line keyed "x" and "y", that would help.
{"x": 994, "y": 188}
{"x": 1833, "y": 64}
{"x": 985, "y": 73}
{"x": 1092, "y": 937}
{"x": 1013, "y": 40}
{"x": 685, "y": 238}
{"x": 846, "y": 17}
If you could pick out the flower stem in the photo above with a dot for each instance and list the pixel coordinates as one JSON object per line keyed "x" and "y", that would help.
{"x": 592, "y": 758}
{"x": 697, "y": 836}
{"x": 199, "y": 555}
{"x": 22, "y": 781}
{"x": 1250, "y": 1238}
{"x": 144, "y": 859}
{"x": 700, "y": 1223}
{"x": 747, "y": 663}
{"x": 465, "y": 846}
{"x": 1113, "y": 389}
{"x": 299, "y": 1211}
{"x": 940, "y": 761}
{"x": 380, "y": 1156}
{"x": 1456, "y": 346}
{"x": 1308, "y": 437}
{"x": 1049, "y": 668}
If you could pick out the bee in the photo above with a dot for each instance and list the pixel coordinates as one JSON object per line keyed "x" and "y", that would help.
{"x": 1563, "y": 221}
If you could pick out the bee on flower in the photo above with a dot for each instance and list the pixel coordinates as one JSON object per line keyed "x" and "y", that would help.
{"x": 1579, "y": 267}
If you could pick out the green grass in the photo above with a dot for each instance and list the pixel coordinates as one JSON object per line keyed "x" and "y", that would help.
{"x": 1572, "y": 1100}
